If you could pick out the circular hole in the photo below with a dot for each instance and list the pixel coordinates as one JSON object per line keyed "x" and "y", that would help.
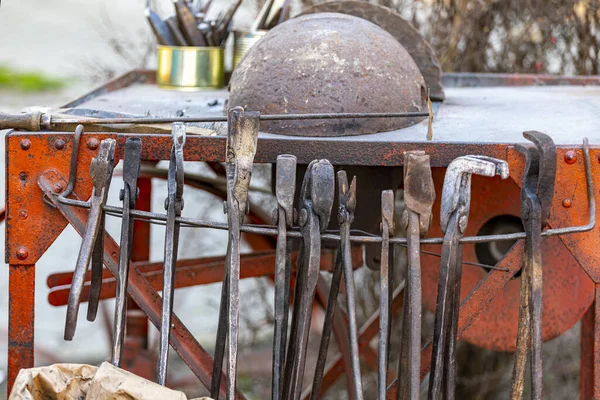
{"x": 491, "y": 253}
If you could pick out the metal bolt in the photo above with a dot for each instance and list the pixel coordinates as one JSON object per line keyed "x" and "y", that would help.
{"x": 23, "y": 214}
{"x": 92, "y": 143}
{"x": 462, "y": 223}
{"x": 566, "y": 203}
{"x": 58, "y": 188}
{"x": 59, "y": 144}
{"x": 25, "y": 144}
{"x": 570, "y": 157}
{"x": 22, "y": 253}
{"x": 303, "y": 217}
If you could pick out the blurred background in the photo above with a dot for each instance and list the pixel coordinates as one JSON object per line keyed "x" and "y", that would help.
{"x": 55, "y": 50}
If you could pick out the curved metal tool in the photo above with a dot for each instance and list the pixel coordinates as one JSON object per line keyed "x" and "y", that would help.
{"x": 173, "y": 205}
{"x": 128, "y": 195}
{"x": 456, "y": 200}
{"x": 387, "y": 230}
{"x": 536, "y": 200}
{"x": 316, "y": 200}
{"x": 419, "y": 195}
{"x": 285, "y": 187}
{"x": 92, "y": 246}
{"x": 347, "y": 206}
{"x": 242, "y": 139}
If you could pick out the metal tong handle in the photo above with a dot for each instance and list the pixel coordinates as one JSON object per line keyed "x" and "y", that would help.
{"x": 174, "y": 206}
{"x": 128, "y": 195}
{"x": 242, "y": 140}
{"x": 101, "y": 172}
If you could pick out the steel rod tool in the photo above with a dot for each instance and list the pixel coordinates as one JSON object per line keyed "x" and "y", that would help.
{"x": 419, "y": 195}
{"x": 174, "y": 206}
{"x": 316, "y": 201}
{"x": 285, "y": 187}
{"x": 129, "y": 196}
{"x": 343, "y": 263}
{"x": 91, "y": 250}
{"x": 387, "y": 230}
{"x": 536, "y": 202}
{"x": 454, "y": 217}
{"x": 242, "y": 139}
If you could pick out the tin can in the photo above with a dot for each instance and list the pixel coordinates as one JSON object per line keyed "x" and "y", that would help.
{"x": 190, "y": 68}
{"x": 242, "y": 41}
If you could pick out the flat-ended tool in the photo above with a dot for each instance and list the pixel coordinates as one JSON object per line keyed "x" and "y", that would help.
{"x": 454, "y": 217}
{"x": 242, "y": 139}
{"x": 178, "y": 38}
{"x": 161, "y": 30}
{"x": 343, "y": 263}
{"x": 419, "y": 195}
{"x": 316, "y": 200}
{"x": 174, "y": 206}
{"x": 188, "y": 24}
{"x": 128, "y": 195}
{"x": 387, "y": 230}
{"x": 101, "y": 172}
{"x": 536, "y": 201}
{"x": 285, "y": 187}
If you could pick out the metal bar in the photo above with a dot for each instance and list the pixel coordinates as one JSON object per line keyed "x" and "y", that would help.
{"x": 188, "y": 348}
{"x": 21, "y": 320}
{"x": 587, "y": 368}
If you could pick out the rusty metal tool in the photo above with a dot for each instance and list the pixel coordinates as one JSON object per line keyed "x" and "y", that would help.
{"x": 174, "y": 206}
{"x": 128, "y": 195}
{"x": 223, "y": 24}
{"x": 285, "y": 186}
{"x": 101, "y": 172}
{"x": 188, "y": 24}
{"x": 454, "y": 216}
{"x": 163, "y": 34}
{"x": 387, "y": 230}
{"x": 173, "y": 26}
{"x": 536, "y": 201}
{"x": 343, "y": 262}
{"x": 316, "y": 200}
{"x": 261, "y": 19}
{"x": 242, "y": 139}
{"x": 419, "y": 195}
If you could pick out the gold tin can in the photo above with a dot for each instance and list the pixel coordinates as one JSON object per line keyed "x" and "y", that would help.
{"x": 242, "y": 41}
{"x": 190, "y": 68}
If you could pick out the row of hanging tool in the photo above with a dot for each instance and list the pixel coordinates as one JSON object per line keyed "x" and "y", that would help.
{"x": 313, "y": 216}
{"x": 189, "y": 25}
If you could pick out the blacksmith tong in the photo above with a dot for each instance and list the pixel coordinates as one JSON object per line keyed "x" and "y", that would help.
{"x": 343, "y": 262}
{"x": 128, "y": 195}
{"x": 285, "y": 187}
{"x": 316, "y": 200}
{"x": 419, "y": 195}
{"x": 92, "y": 247}
{"x": 242, "y": 139}
{"x": 174, "y": 206}
{"x": 536, "y": 202}
{"x": 454, "y": 217}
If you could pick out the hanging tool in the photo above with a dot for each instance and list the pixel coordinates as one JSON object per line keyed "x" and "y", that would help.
{"x": 343, "y": 262}
{"x": 387, "y": 230}
{"x": 174, "y": 206}
{"x": 419, "y": 195}
{"x": 285, "y": 186}
{"x": 242, "y": 139}
{"x": 128, "y": 195}
{"x": 454, "y": 217}
{"x": 536, "y": 202}
{"x": 316, "y": 200}
{"x": 92, "y": 247}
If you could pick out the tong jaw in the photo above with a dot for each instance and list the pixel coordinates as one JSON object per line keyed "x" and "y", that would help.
{"x": 419, "y": 192}
{"x": 456, "y": 192}
{"x": 285, "y": 186}
{"x": 317, "y": 191}
{"x": 540, "y": 171}
{"x": 131, "y": 170}
{"x": 242, "y": 140}
{"x": 175, "y": 180}
{"x": 347, "y": 198}
{"x": 102, "y": 166}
